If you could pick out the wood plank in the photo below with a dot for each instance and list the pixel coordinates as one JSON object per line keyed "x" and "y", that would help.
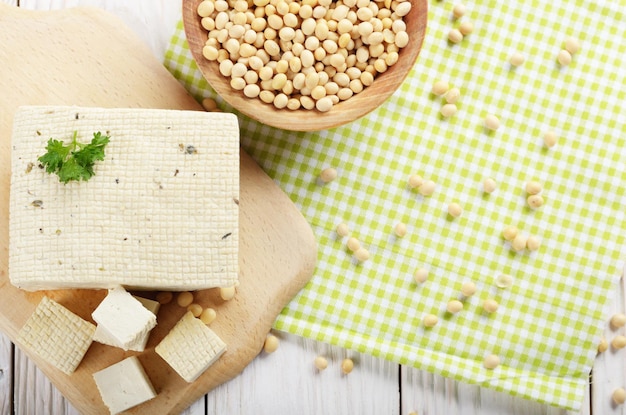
{"x": 609, "y": 370}
{"x": 287, "y": 382}
{"x": 426, "y": 393}
{"x": 6, "y": 375}
{"x": 6, "y": 348}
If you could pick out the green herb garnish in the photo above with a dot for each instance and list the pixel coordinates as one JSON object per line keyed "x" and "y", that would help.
{"x": 74, "y": 161}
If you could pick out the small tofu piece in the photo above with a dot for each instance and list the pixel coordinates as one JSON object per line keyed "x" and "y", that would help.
{"x": 190, "y": 347}
{"x": 123, "y": 320}
{"x": 57, "y": 335}
{"x": 103, "y": 336}
{"x": 124, "y": 385}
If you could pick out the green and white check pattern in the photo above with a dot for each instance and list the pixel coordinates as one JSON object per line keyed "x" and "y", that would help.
{"x": 550, "y": 321}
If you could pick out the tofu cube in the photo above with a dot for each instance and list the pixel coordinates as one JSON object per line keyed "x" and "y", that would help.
{"x": 123, "y": 320}
{"x": 190, "y": 347}
{"x": 57, "y": 335}
{"x": 103, "y": 336}
{"x": 124, "y": 385}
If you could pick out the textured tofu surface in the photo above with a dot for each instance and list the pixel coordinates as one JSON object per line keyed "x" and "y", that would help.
{"x": 123, "y": 320}
{"x": 56, "y": 334}
{"x": 124, "y": 385}
{"x": 161, "y": 211}
{"x": 190, "y": 347}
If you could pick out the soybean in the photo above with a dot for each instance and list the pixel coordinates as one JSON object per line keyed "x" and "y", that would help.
{"x": 347, "y": 365}
{"x": 271, "y": 344}
{"x": 227, "y": 293}
{"x": 572, "y": 45}
{"x": 328, "y": 175}
{"x": 517, "y": 59}
{"x": 459, "y": 10}
{"x": 468, "y": 289}
{"x": 184, "y": 299}
{"x": 519, "y": 242}
{"x": 535, "y": 201}
{"x": 421, "y": 275}
{"x": 427, "y": 188}
{"x": 618, "y": 320}
{"x": 492, "y": 122}
{"x": 564, "y": 57}
{"x": 455, "y": 210}
{"x": 342, "y": 230}
{"x": 491, "y": 362}
{"x": 448, "y": 110}
{"x": 618, "y": 342}
{"x": 619, "y": 396}
{"x": 453, "y": 95}
{"x": 415, "y": 180}
{"x": 489, "y": 185}
{"x": 353, "y": 244}
{"x": 490, "y": 306}
{"x": 533, "y": 187}
{"x": 549, "y": 139}
{"x": 466, "y": 27}
{"x": 208, "y": 315}
{"x": 400, "y": 230}
{"x": 455, "y": 36}
{"x": 533, "y": 243}
{"x": 164, "y": 297}
{"x": 430, "y": 320}
{"x": 440, "y": 87}
{"x": 362, "y": 254}
{"x": 509, "y": 233}
{"x": 321, "y": 363}
{"x": 454, "y": 306}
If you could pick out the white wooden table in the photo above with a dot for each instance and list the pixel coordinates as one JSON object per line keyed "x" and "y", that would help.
{"x": 286, "y": 381}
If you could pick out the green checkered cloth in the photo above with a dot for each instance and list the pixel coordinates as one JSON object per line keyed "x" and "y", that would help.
{"x": 550, "y": 320}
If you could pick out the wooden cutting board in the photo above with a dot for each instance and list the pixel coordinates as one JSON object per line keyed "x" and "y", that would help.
{"x": 88, "y": 57}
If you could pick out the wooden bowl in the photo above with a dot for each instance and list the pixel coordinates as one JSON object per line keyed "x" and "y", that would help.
{"x": 302, "y": 119}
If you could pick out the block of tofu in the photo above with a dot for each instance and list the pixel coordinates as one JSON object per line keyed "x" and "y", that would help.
{"x": 124, "y": 385}
{"x": 103, "y": 336}
{"x": 160, "y": 213}
{"x": 56, "y": 334}
{"x": 123, "y": 320}
{"x": 190, "y": 347}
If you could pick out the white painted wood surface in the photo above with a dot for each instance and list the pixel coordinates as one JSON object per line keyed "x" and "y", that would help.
{"x": 6, "y": 375}
{"x": 286, "y": 381}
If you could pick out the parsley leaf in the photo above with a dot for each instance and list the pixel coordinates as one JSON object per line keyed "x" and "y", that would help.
{"x": 53, "y": 159}
{"x": 74, "y": 161}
